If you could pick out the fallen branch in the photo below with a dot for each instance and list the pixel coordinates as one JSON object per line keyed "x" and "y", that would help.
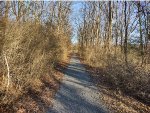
{"x": 8, "y": 71}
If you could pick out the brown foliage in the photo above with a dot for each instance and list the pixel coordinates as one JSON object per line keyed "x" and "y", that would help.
{"x": 32, "y": 50}
{"x": 111, "y": 71}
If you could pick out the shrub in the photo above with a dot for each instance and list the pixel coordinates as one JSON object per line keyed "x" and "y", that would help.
{"x": 133, "y": 80}
{"x": 31, "y": 50}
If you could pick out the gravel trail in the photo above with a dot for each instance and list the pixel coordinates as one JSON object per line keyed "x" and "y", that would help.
{"x": 77, "y": 94}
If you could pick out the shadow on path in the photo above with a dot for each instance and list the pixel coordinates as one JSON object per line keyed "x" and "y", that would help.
{"x": 77, "y": 94}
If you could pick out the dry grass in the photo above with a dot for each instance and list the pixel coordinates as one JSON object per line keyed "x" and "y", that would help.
{"x": 109, "y": 70}
{"x": 119, "y": 103}
{"x": 32, "y": 50}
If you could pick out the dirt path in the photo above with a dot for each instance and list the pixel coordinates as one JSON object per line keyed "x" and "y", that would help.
{"x": 77, "y": 94}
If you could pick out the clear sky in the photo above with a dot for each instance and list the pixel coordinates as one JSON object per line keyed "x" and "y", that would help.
{"x": 75, "y": 18}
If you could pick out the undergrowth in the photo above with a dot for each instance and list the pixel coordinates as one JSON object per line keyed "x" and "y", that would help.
{"x": 32, "y": 49}
{"x": 111, "y": 71}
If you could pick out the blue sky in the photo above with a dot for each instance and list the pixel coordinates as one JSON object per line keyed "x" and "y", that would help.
{"x": 75, "y": 16}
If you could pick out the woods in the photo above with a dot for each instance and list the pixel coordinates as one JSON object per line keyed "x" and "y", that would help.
{"x": 34, "y": 36}
{"x": 113, "y": 38}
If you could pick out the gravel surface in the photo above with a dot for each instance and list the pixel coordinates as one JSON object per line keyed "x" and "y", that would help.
{"x": 77, "y": 94}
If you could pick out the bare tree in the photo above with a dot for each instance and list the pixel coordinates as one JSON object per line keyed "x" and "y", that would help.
{"x": 126, "y": 34}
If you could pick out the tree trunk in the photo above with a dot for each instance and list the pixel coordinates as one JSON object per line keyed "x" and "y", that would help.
{"x": 140, "y": 29}
{"x": 109, "y": 27}
{"x": 126, "y": 35}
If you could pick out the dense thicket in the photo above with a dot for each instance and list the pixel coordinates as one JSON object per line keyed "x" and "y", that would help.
{"x": 33, "y": 37}
{"x": 114, "y": 36}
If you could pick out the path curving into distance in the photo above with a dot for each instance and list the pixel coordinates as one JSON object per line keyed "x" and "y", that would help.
{"x": 77, "y": 94}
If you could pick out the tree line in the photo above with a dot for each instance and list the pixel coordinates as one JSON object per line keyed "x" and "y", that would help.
{"x": 114, "y": 40}
{"x": 117, "y": 24}
{"x": 34, "y": 36}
